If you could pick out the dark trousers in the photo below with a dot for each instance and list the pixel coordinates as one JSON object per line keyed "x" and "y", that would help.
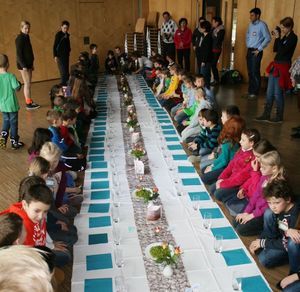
{"x": 10, "y": 122}
{"x": 205, "y": 70}
{"x": 253, "y": 65}
{"x": 63, "y": 67}
{"x": 184, "y": 54}
{"x": 252, "y": 227}
{"x": 168, "y": 49}
{"x": 214, "y": 66}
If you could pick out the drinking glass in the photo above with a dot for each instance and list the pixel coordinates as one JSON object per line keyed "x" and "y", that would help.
{"x": 120, "y": 284}
{"x": 237, "y": 281}
{"x": 207, "y": 220}
{"x": 218, "y": 243}
{"x": 115, "y": 214}
{"x": 116, "y": 234}
{"x": 196, "y": 202}
{"x": 118, "y": 257}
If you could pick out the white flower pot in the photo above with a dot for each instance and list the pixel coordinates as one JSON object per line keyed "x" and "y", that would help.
{"x": 168, "y": 271}
{"x": 131, "y": 130}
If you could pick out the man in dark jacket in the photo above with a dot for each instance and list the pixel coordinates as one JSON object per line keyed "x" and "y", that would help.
{"x": 61, "y": 51}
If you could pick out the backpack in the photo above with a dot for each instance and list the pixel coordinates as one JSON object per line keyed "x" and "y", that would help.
{"x": 231, "y": 77}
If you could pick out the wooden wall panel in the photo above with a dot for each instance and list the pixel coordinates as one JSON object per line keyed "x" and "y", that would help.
{"x": 105, "y": 26}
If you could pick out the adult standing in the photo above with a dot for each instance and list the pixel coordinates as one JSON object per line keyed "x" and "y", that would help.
{"x": 25, "y": 60}
{"x": 167, "y": 32}
{"x": 218, "y": 34}
{"x": 197, "y": 38}
{"x": 206, "y": 55}
{"x": 61, "y": 51}
{"x": 183, "y": 40}
{"x": 278, "y": 70}
{"x": 257, "y": 38}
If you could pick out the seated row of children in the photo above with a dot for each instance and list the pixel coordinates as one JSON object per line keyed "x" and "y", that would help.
{"x": 242, "y": 170}
{"x": 49, "y": 197}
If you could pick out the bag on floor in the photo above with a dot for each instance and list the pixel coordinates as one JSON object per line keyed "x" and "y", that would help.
{"x": 231, "y": 77}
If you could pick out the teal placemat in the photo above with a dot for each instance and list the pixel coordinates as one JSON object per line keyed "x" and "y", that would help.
{"x": 185, "y": 169}
{"x": 99, "y": 164}
{"x": 100, "y": 119}
{"x": 167, "y": 127}
{"x": 199, "y": 196}
{"x": 96, "y": 158}
{"x": 100, "y": 195}
{"x": 175, "y": 147}
{"x": 98, "y": 238}
{"x": 191, "y": 181}
{"x": 100, "y": 174}
{"x": 100, "y": 128}
{"x": 96, "y": 145}
{"x": 99, "y": 262}
{"x": 170, "y": 132}
{"x": 179, "y": 157}
{"x": 254, "y": 283}
{"x": 98, "y": 133}
{"x": 100, "y": 185}
{"x": 96, "y": 151}
{"x": 100, "y": 123}
{"x": 99, "y": 208}
{"x": 172, "y": 139}
{"x": 164, "y": 121}
{"x": 98, "y": 139}
{"x": 226, "y": 232}
{"x": 215, "y": 212}
{"x": 236, "y": 257}
{"x": 102, "y": 221}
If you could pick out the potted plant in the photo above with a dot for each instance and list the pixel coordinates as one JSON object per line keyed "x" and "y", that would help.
{"x": 146, "y": 193}
{"x": 138, "y": 152}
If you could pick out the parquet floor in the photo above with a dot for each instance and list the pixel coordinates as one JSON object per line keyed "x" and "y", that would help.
{"x": 13, "y": 164}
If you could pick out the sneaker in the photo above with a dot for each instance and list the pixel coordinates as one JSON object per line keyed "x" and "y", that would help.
{"x": 15, "y": 145}
{"x": 194, "y": 159}
{"x": 275, "y": 121}
{"x": 214, "y": 83}
{"x": 32, "y": 106}
{"x": 262, "y": 118}
{"x": 252, "y": 96}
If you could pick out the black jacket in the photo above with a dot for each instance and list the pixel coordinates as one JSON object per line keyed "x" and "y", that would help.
{"x": 24, "y": 51}
{"x": 204, "y": 52}
{"x": 285, "y": 47}
{"x": 61, "y": 46}
{"x": 197, "y": 35}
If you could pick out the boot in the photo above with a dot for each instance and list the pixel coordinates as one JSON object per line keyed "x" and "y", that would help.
{"x": 278, "y": 118}
{"x": 265, "y": 115}
{"x": 3, "y": 139}
{"x": 16, "y": 144}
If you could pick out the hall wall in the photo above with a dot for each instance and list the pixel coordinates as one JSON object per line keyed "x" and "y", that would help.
{"x": 104, "y": 21}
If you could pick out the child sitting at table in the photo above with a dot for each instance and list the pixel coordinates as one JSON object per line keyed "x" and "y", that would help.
{"x": 111, "y": 64}
{"x": 207, "y": 140}
{"x": 250, "y": 221}
{"x": 238, "y": 169}
{"x": 279, "y": 242}
{"x": 12, "y": 230}
{"x": 200, "y": 82}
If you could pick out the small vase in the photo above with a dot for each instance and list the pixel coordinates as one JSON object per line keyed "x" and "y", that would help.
{"x": 131, "y": 129}
{"x": 168, "y": 271}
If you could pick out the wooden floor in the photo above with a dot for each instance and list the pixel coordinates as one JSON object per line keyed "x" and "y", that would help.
{"x": 14, "y": 163}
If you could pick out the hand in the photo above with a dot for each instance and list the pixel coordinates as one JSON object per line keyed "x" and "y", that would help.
{"x": 294, "y": 234}
{"x": 256, "y": 52}
{"x": 202, "y": 64}
{"x": 289, "y": 280}
{"x": 218, "y": 183}
{"x": 24, "y": 69}
{"x": 60, "y": 246}
{"x": 185, "y": 123}
{"x": 63, "y": 209}
{"x": 245, "y": 217}
{"x": 55, "y": 59}
{"x": 255, "y": 164}
{"x": 194, "y": 48}
{"x": 63, "y": 225}
{"x": 80, "y": 156}
{"x": 241, "y": 194}
{"x": 181, "y": 45}
{"x": 208, "y": 169}
{"x": 193, "y": 146}
{"x": 293, "y": 82}
{"x": 211, "y": 155}
{"x": 254, "y": 246}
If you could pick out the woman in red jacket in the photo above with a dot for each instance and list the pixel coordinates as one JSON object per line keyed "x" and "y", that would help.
{"x": 183, "y": 40}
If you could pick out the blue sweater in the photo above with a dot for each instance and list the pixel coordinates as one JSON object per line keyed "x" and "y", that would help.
{"x": 57, "y": 140}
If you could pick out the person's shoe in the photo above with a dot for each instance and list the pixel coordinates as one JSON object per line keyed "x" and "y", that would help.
{"x": 296, "y": 135}
{"x": 3, "y": 139}
{"x": 32, "y": 106}
{"x": 262, "y": 118}
{"x": 296, "y": 129}
{"x": 252, "y": 96}
{"x": 214, "y": 83}
{"x": 194, "y": 159}
{"x": 15, "y": 144}
{"x": 276, "y": 120}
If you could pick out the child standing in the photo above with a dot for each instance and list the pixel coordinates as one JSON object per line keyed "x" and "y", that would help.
{"x": 250, "y": 222}
{"x": 279, "y": 241}
{"x": 9, "y": 105}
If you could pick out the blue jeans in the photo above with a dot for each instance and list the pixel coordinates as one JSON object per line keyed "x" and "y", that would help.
{"x": 253, "y": 65}
{"x": 277, "y": 257}
{"x": 225, "y": 194}
{"x": 175, "y": 109}
{"x": 179, "y": 118}
{"x": 211, "y": 177}
{"x": 10, "y": 122}
{"x": 274, "y": 92}
{"x": 206, "y": 71}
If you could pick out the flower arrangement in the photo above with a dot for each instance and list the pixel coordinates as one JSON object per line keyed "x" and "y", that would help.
{"x": 146, "y": 193}
{"x": 165, "y": 254}
{"x": 132, "y": 122}
{"x": 138, "y": 152}
{"x": 127, "y": 99}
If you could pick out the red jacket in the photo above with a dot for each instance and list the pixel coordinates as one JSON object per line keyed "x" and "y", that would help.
{"x": 183, "y": 39}
{"x": 238, "y": 169}
{"x": 36, "y": 233}
{"x": 64, "y": 133}
{"x": 250, "y": 185}
{"x": 281, "y": 70}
